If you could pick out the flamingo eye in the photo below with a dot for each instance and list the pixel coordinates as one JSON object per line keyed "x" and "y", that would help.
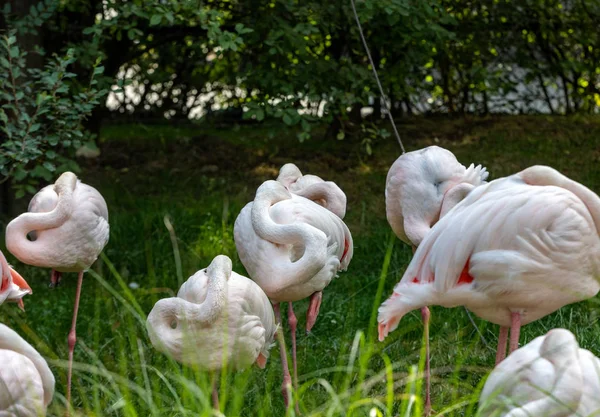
{"x": 173, "y": 324}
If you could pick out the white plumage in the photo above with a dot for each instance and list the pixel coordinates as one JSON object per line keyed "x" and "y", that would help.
{"x": 68, "y": 222}
{"x": 291, "y": 246}
{"x": 550, "y": 376}
{"x": 312, "y": 187}
{"x": 423, "y": 185}
{"x": 217, "y": 315}
{"x": 26, "y": 382}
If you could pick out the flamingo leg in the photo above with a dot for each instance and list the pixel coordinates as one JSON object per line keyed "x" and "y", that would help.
{"x": 215, "y": 392}
{"x": 286, "y": 386}
{"x": 313, "y": 310}
{"x": 55, "y": 277}
{"x": 502, "y": 339}
{"x": 73, "y": 338}
{"x": 515, "y": 330}
{"x": 425, "y": 314}
{"x": 293, "y": 322}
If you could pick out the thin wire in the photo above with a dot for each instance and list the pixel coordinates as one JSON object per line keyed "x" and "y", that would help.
{"x": 385, "y": 103}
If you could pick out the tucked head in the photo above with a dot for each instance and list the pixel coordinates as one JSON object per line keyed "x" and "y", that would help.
{"x": 416, "y": 186}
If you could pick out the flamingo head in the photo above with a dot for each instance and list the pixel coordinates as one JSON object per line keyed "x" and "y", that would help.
{"x": 13, "y": 287}
{"x": 416, "y": 186}
{"x": 289, "y": 174}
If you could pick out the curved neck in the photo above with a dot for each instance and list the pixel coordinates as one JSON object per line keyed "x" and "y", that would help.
{"x": 334, "y": 197}
{"x": 10, "y": 340}
{"x": 454, "y": 196}
{"x": 313, "y": 240}
{"x": 17, "y": 230}
{"x": 216, "y": 298}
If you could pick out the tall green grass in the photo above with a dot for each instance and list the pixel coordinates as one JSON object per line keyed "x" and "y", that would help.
{"x": 170, "y": 215}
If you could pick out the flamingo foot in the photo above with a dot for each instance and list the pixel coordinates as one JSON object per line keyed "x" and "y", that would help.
{"x": 55, "y": 278}
{"x": 313, "y": 310}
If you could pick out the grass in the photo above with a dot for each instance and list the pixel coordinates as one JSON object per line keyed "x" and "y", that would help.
{"x": 197, "y": 179}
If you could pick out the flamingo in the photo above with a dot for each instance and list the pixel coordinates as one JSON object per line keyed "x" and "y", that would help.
{"x": 12, "y": 287}
{"x": 217, "y": 315}
{"x": 26, "y": 382}
{"x": 68, "y": 225}
{"x": 550, "y": 376}
{"x": 510, "y": 244}
{"x": 421, "y": 187}
{"x": 293, "y": 248}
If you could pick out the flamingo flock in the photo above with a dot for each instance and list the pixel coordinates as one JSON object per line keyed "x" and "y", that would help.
{"x": 512, "y": 251}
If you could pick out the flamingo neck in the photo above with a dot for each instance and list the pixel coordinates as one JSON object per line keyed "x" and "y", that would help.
{"x": 313, "y": 240}
{"x": 16, "y": 232}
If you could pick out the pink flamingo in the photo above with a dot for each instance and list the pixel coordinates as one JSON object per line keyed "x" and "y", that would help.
{"x": 217, "y": 314}
{"x": 68, "y": 225}
{"x": 421, "y": 187}
{"x": 509, "y": 244}
{"x": 293, "y": 248}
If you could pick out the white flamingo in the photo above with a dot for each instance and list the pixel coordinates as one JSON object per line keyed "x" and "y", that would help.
{"x": 292, "y": 248}
{"x": 513, "y": 251}
{"x": 68, "y": 225}
{"x": 550, "y": 376}
{"x": 421, "y": 187}
{"x": 217, "y": 316}
{"x": 26, "y": 382}
{"x": 12, "y": 285}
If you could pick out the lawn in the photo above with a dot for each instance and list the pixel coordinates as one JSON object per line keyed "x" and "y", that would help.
{"x": 196, "y": 179}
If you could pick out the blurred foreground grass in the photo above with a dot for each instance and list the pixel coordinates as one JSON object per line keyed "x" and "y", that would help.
{"x": 199, "y": 178}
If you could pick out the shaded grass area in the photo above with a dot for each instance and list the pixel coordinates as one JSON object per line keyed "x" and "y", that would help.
{"x": 199, "y": 178}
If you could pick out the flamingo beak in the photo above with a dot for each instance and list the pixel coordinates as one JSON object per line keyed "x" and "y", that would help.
{"x": 19, "y": 281}
{"x": 261, "y": 361}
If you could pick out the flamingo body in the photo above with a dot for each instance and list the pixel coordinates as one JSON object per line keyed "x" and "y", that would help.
{"x": 508, "y": 245}
{"x": 550, "y": 376}
{"x": 291, "y": 246}
{"x": 217, "y": 315}
{"x": 68, "y": 223}
{"x": 26, "y": 382}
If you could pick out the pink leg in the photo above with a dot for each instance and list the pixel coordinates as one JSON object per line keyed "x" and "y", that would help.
{"x": 313, "y": 310}
{"x": 502, "y": 339}
{"x": 425, "y": 314}
{"x": 215, "y": 393}
{"x": 73, "y": 338}
{"x": 293, "y": 322}
{"x": 55, "y": 279}
{"x": 286, "y": 386}
{"x": 515, "y": 330}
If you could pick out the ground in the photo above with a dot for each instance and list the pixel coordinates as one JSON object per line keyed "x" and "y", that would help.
{"x": 198, "y": 178}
